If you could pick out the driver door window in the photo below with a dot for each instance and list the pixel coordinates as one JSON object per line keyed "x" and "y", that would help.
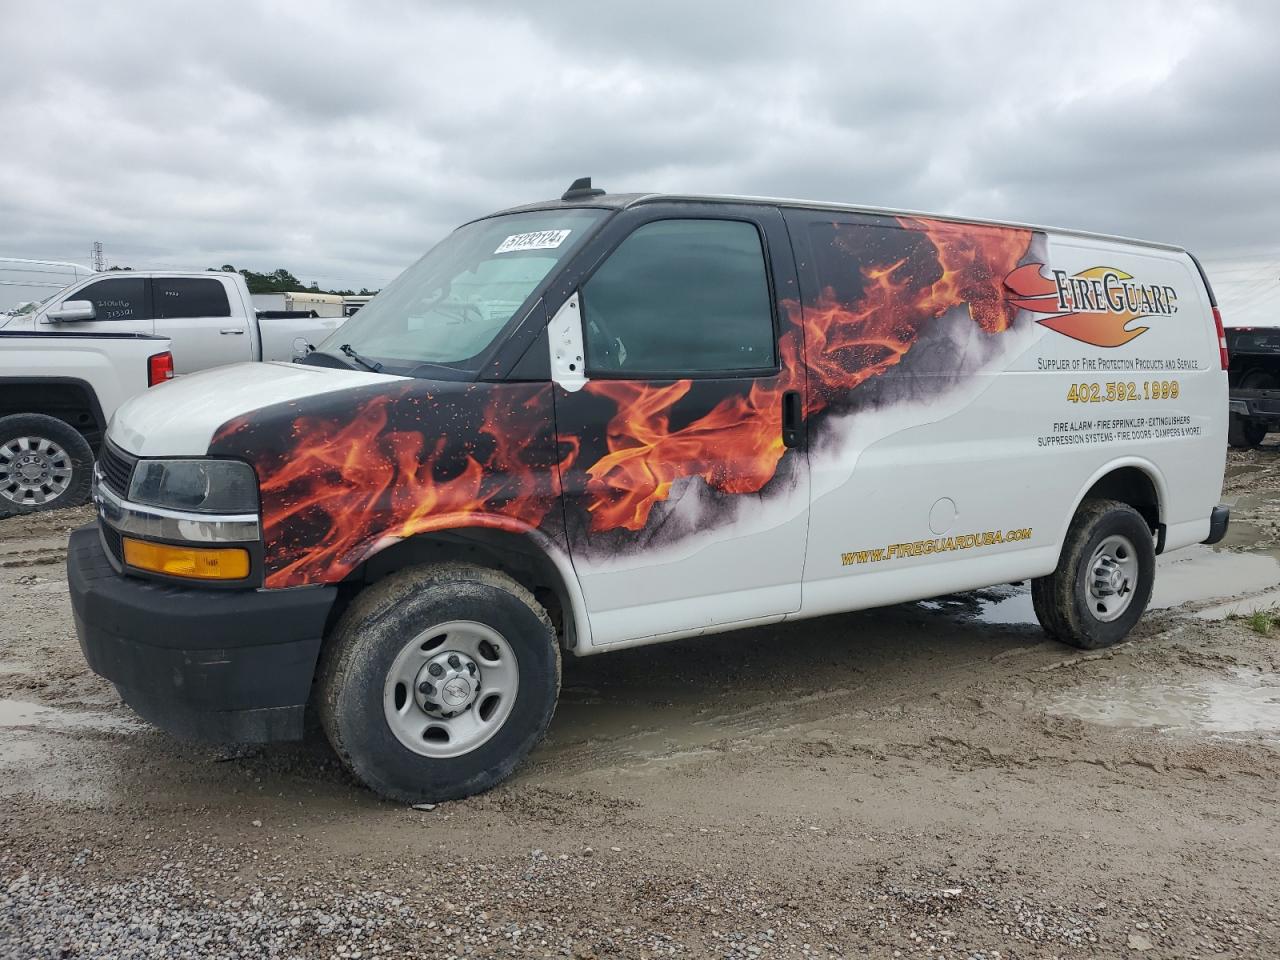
{"x": 680, "y": 298}
{"x": 118, "y": 298}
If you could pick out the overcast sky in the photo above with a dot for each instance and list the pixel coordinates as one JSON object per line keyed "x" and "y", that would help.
{"x": 342, "y": 140}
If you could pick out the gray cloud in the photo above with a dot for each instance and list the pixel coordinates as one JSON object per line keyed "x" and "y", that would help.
{"x": 342, "y": 140}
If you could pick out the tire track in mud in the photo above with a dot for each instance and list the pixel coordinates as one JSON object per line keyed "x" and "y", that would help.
{"x": 687, "y": 733}
{"x": 38, "y": 557}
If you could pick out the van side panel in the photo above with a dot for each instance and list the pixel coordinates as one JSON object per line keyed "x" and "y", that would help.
{"x": 995, "y": 374}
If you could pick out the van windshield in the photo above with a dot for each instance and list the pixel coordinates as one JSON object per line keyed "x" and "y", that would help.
{"x": 31, "y": 306}
{"x": 449, "y": 306}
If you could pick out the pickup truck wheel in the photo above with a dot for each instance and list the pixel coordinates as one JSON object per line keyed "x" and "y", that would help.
{"x": 44, "y": 463}
{"x": 1244, "y": 434}
{"x": 1104, "y": 577}
{"x": 438, "y": 681}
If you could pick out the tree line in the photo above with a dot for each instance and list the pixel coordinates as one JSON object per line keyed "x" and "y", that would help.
{"x": 282, "y": 281}
{"x": 278, "y": 281}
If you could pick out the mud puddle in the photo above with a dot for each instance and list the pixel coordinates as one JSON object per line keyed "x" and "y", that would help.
{"x": 1245, "y": 701}
{"x": 1188, "y": 576}
{"x": 50, "y": 752}
{"x": 21, "y": 713}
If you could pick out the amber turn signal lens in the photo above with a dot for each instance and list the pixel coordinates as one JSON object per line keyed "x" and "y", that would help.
{"x": 198, "y": 563}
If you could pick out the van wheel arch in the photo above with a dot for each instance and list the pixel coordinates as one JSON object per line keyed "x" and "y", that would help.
{"x": 520, "y": 556}
{"x": 1132, "y": 485}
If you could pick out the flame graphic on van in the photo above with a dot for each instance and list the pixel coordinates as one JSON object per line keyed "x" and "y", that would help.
{"x": 1094, "y": 306}
{"x": 354, "y": 470}
{"x": 827, "y": 346}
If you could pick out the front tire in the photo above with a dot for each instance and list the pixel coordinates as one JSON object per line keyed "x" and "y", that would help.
{"x": 1104, "y": 577}
{"x": 45, "y": 463}
{"x": 438, "y": 681}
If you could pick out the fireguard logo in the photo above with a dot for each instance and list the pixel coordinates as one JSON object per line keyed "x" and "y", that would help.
{"x": 1093, "y": 306}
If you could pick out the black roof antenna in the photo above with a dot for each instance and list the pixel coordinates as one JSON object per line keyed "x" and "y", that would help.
{"x": 581, "y": 189}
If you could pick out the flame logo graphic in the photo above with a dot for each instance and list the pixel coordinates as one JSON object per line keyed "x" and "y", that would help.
{"x": 1101, "y": 328}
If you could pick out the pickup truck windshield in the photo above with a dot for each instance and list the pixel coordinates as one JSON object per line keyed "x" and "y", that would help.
{"x": 450, "y": 305}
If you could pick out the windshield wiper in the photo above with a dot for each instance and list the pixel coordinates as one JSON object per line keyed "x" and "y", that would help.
{"x": 375, "y": 366}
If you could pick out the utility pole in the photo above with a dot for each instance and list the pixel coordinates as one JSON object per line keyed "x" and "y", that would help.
{"x": 99, "y": 259}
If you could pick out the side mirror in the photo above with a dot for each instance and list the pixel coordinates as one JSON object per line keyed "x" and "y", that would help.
{"x": 71, "y": 311}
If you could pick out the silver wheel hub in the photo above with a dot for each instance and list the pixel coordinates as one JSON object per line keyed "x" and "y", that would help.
{"x": 1113, "y": 576}
{"x": 448, "y": 684}
{"x": 450, "y": 689}
{"x": 33, "y": 470}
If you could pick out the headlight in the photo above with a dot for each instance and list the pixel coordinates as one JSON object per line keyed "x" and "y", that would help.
{"x": 201, "y": 486}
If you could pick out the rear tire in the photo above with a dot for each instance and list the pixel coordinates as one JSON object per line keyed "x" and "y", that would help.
{"x": 438, "y": 681}
{"x": 45, "y": 463}
{"x": 1104, "y": 577}
{"x": 1244, "y": 434}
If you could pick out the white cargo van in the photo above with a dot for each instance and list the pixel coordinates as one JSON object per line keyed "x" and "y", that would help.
{"x": 604, "y": 421}
{"x": 25, "y": 282}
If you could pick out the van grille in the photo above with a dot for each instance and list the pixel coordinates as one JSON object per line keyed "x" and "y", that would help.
{"x": 117, "y": 468}
{"x": 112, "y": 541}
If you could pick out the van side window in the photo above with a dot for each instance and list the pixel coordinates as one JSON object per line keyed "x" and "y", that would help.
{"x": 119, "y": 298}
{"x": 681, "y": 297}
{"x": 178, "y": 297}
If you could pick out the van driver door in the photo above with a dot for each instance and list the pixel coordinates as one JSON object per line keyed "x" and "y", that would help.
{"x": 678, "y": 412}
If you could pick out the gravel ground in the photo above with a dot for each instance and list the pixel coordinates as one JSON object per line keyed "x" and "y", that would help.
{"x": 929, "y": 780}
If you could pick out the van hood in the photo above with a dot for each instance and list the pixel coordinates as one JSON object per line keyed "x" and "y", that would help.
{"x": 179, "y": 418}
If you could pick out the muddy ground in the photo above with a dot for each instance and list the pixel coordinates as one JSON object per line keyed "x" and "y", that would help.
{"x": 928, "y": 780}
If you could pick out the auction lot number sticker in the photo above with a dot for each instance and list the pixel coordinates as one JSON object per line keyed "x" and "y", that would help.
{"x": 538, "y": 240}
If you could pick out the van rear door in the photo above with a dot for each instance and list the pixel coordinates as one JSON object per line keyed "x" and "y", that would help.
{"x": 685, "y": 484}
{"x": 916, "y": 464}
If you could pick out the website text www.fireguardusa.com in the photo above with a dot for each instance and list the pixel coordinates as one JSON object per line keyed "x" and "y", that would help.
{"x": 923, "y": 548}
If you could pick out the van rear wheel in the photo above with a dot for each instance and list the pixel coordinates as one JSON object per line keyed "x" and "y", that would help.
{"x": 438, "y": 681}
{"x": 1104, "y": 577}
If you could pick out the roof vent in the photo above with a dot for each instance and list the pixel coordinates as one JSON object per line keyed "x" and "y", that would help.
{"x": 581, "y": 189}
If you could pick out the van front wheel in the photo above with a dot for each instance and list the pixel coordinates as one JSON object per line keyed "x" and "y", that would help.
{"x": 438, "y": 681}
{"x": 1104, "y": 577}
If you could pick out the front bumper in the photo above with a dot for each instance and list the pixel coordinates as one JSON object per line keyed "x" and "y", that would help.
{"x": 208, "y": 664}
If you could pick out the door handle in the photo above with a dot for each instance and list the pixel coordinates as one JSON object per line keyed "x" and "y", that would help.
{"x": 237, "y": 331}
{"x": 791, "y": 418}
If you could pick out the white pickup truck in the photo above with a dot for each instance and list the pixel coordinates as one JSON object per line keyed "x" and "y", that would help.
{"x": 58, "y": 392}
{"x": 209, "y": 316}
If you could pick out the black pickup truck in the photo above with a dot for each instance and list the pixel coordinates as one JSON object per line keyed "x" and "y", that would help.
{"x": 1254, "y": 376}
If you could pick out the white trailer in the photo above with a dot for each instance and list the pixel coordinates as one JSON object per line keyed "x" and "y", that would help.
{"x": 32, "y": 281}
{"x": 321, "y": 304}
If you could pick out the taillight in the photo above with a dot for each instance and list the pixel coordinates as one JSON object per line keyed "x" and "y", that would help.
{"x": 1222, "y": 338}
{"x": 160, "y": 368}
